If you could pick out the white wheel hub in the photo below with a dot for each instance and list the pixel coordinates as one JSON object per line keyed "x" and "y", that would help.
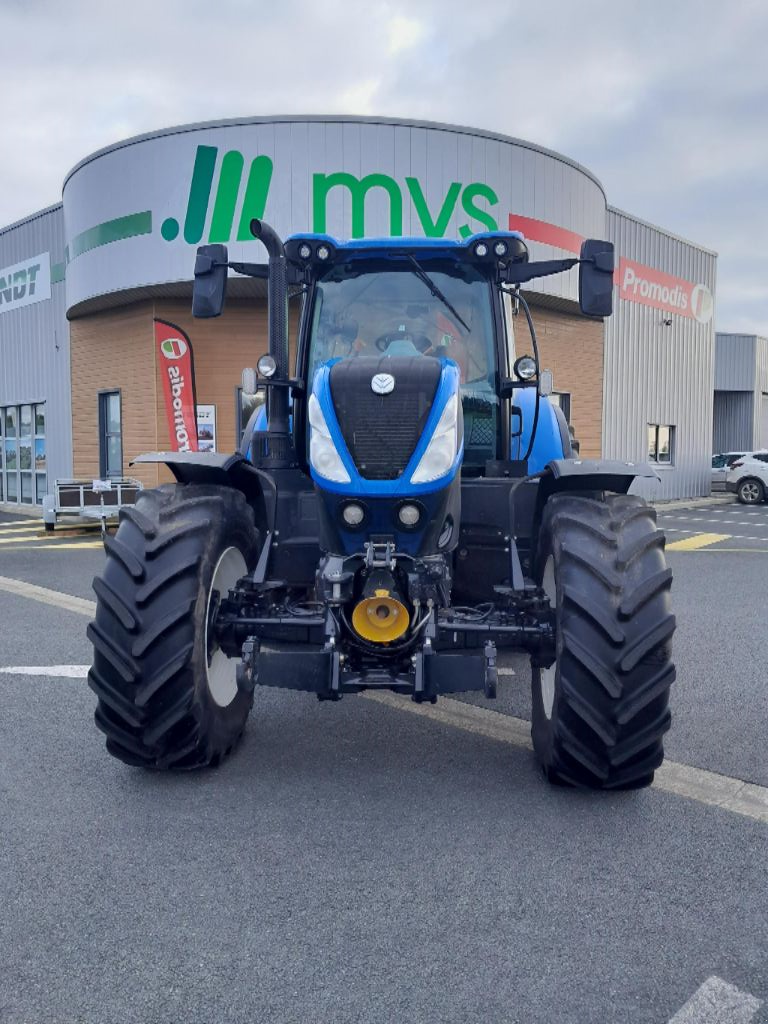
{"x": 547, "y": 675}
{"x": 220, "y": 670}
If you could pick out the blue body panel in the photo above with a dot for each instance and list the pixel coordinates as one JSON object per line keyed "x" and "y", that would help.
{"x": 392, "y": 247}
{"x": 402, "y": 487}
{"x": 548, "y": 444}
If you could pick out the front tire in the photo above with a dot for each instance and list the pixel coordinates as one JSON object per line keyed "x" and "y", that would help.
{"x": 168, "y": 697}
{"x": 750, "y": 492}
{"x": 599, "y": 712}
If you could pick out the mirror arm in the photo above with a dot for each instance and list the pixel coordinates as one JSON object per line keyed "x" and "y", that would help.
{"x": 518, "y": 273}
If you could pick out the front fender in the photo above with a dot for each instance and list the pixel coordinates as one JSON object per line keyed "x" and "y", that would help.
{"x": 220, "y": 469}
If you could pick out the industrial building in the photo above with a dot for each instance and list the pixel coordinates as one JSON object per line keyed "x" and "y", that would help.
{"x": 81, "y": 283}
{"x": 740, "y": 414}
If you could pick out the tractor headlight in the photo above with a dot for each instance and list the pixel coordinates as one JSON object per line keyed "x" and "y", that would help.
{"x": 441, "y": 450}
{"x": 304, "y": 251}
{"x": 323, "y": 252}
{"x": 500, "y": 248}
{"x": 353, "y": 514}
{"x": 481, "y": 250}
{"x": 323, "y": 456}
{"x": 409, "y": 514}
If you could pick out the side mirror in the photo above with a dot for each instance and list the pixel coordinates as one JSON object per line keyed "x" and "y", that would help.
{"x": 596, "y": 278}
{"x": 210, "y": 288}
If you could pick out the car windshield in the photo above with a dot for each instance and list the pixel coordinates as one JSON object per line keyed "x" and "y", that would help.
{"x": 386, "y": 311}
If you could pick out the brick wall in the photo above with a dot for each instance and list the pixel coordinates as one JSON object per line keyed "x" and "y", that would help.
{"x": 115, "y": 349}
{"x": 572, "y": 347}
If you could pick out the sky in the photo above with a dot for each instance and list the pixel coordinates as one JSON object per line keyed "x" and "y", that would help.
{"x": 665, "y": 102}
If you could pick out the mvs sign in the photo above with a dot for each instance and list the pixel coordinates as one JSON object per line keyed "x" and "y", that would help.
{"x": 474, "y": 201}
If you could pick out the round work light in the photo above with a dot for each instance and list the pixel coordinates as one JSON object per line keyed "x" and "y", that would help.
{"x": 266, "y": 365}
{"x": 525, "y": 368}
{"x": 323, "y": 252}
{"x": 500, "y": 248}
{"x": 481, "y": 250}
{"x": 305, "y": 251}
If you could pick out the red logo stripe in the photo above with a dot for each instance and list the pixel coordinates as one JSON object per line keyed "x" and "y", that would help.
{"x": 547, "y": 234}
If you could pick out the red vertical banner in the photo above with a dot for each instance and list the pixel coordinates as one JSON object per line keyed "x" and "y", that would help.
{"x": 174, "y": 356}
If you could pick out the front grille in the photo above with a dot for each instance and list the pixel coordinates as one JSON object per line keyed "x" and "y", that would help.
{"x": 382, "y": 431}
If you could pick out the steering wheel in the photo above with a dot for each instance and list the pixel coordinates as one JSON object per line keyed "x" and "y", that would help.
{"x": 420, "y": 341}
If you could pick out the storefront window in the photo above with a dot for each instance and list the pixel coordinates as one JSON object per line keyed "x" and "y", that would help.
{"x": 23, "y": 459}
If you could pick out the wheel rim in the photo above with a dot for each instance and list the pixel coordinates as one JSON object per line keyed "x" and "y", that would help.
{"x": 221, "y": 670}
{"x": 547, "y": 675}
{"x": 750, "y": 492}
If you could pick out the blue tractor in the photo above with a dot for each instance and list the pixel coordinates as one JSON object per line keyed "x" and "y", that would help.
{"x": 404, "y": 505}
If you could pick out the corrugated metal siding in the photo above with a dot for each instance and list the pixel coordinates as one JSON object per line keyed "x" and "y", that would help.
{"x": 734, "y": 362}
{"x": 761, "y": 361}
{"x": 34, "y": 340}
{"x": 732, "y": 421}
{"x": 660, "y": 374}
{"x": 741, "y": 364}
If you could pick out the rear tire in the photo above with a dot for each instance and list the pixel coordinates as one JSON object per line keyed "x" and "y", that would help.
{"x": 599, "y": 713}
{"x": 168, "y": 698}
{"x": 750, "y": 491}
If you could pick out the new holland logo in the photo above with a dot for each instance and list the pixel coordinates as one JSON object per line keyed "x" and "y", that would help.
{"x": 383, "y": 383}
{"x": 173, "y": 348}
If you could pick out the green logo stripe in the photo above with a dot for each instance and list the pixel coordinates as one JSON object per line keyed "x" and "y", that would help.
{"x": 110, "y": 231}
{"x": 226, "y": 197}
{"x": 256, "y": 192}
{"x": 199, "y": 193}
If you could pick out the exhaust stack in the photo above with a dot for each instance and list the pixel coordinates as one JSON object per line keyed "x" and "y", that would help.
{"x": 277, "y": 298}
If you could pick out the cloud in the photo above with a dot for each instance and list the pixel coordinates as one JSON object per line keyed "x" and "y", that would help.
{"x": 667, "y": 103}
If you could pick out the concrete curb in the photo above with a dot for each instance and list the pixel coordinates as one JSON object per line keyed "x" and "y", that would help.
{"x": 713, "y": 501}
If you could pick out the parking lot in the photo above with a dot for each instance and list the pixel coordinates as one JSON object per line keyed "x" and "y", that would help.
{"x": 362, "y": 862}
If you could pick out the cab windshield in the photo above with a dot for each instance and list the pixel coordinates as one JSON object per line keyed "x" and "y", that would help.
{"x": 386, "y": 311}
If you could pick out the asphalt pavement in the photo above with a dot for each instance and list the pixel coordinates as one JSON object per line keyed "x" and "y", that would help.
{"x": 354, "y": 863}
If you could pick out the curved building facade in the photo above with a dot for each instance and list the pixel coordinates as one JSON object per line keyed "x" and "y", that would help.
{"x": 119, "y": 253}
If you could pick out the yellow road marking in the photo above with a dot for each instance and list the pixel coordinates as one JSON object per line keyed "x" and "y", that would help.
{"x": 69, "y": 545}
{"x": 12, "y": 528}
{"x": 741, "y": 551}
{"x": 700, "y": 540}
{"x": 17, "y": 539}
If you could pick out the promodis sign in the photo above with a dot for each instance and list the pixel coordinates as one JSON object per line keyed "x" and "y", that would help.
{"x": 175, "y": 360}
{"x": 637, "y": 283}
{"x": 662, "y": 291}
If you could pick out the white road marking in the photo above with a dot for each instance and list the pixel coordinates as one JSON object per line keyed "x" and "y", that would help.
{"x": 705, "y": 787}
{"x": 717, "y": 1002}
{"x": 57, "y": 671}
{"x": 683, "y": 780}
{"x": 46, "y": 596}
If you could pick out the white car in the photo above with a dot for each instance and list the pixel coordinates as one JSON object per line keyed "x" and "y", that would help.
{"x": 747, "y": 478}
{"x": 720, "y": 465}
